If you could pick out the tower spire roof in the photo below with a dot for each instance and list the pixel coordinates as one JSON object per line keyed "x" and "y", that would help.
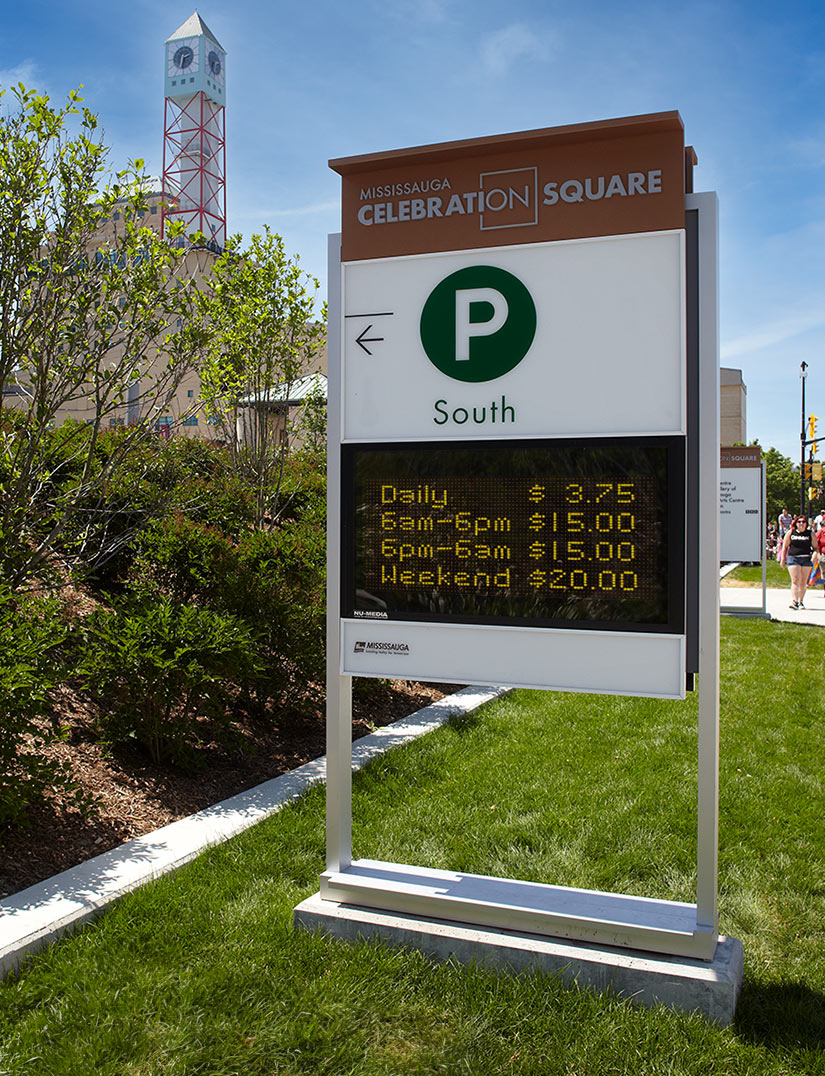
{"x": 194, "y": 27}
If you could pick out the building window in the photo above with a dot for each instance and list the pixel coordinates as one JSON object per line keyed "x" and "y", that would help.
{"x": 190, "y": 393}
{"x": 116, "y": 216}
{"x": 115, "y": 421}
{"x": 191, "y": 420}
{"x": 154, "y": 209}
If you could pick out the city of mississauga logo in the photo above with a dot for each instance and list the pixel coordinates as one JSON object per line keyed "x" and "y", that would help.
{"x": 362, "y": 647}
{"x": 478, "y": 323}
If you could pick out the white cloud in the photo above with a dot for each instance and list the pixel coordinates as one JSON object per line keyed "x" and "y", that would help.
{"x": 25, "y": 72}
{"x": 772, "y": 333}
{"x": 299, "y": 211}
{"x": 809, "y": 151}
{"x": 500, "y": 50}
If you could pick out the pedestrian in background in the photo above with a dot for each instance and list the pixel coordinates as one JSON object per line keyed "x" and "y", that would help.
{"x": 819, "y": 555}
{"x": 797, "y": 556}
{"x": 771, "y": 542}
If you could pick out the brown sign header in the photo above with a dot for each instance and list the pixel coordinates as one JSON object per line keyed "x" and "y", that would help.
{"x": 750, "y": 456}
{"x": 589, "y": 179}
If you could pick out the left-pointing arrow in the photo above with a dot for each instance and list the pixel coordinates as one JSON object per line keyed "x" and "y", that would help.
{"x": 363, "y": 339}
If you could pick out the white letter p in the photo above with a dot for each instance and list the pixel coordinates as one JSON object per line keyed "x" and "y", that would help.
{"x": 466, "y": 329}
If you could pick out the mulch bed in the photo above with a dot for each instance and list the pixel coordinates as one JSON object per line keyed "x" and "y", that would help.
{"x": 136, "y": 796}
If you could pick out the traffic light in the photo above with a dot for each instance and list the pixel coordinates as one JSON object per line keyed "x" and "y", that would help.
{"x": 812, "y": 420}
{"x": 808, "y": 469}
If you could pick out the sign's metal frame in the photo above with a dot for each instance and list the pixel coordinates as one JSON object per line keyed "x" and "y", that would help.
{"x": 681, "y": 929}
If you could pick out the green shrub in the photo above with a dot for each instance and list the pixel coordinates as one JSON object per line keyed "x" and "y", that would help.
{"x": 153, "y": 482}
{"x": 273, "y": 581}
{"x": 280, "y": 586}
{"x": 184, "y": 561}
{"x": 163, "y": 673}
{"x": 30, "y": 635}
{"x": 224, "y": 501}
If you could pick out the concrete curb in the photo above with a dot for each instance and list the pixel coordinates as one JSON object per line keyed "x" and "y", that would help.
{"x": 726, "y": 569}
{"x": 37, "y": 916}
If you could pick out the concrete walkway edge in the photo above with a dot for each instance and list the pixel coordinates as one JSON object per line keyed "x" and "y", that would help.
{"x": 37, "y": 916}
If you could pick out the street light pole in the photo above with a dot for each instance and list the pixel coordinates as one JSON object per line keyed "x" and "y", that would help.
{"x": 803, "y": 373}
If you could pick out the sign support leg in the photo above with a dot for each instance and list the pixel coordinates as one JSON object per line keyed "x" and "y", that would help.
{"x": 339, "y": 772}
{"x": 339, "y": 688}
{"x": 707, "y": 859}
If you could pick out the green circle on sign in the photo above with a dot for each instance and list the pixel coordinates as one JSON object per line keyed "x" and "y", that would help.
{"x": 478, "y": 323}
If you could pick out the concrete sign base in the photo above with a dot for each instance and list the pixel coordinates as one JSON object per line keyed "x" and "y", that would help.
{"x": 708, "y": 987}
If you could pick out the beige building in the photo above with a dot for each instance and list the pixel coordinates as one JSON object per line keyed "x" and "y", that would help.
{"x": 184, "y": 413}
{"x": 732, "y": 407}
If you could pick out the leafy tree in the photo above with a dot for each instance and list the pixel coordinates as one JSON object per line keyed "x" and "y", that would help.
{"x": 82, "y": 318}
{"x": 260, "y": 308}
{"x": 782, "y": 484}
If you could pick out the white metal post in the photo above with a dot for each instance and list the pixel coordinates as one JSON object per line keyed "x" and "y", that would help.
{"x": 709, "y": 466}
{"x": 763, "y": 530}
{"x": 339, "y": 688}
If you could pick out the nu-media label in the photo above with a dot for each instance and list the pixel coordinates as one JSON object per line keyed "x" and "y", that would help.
{"x": 393, "y": 649}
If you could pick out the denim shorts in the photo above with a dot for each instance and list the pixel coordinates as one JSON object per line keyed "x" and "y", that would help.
{"x": 804, "y": 562}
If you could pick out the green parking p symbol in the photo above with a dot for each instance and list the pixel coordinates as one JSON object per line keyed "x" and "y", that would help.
{"x": 478, "y": 323}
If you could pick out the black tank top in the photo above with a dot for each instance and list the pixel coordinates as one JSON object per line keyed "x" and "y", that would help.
{"x": 800, "y": 545}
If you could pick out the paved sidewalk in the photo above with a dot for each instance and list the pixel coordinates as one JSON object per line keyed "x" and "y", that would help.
{"x": 778, "y": 602}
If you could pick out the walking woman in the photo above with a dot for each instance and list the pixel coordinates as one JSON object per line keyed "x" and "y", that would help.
{"x": 797, "y": 552}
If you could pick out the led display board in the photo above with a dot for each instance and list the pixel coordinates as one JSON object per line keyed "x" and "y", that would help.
{"x": 552, "y": 533}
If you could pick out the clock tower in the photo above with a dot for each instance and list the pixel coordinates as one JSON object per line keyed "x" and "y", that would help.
{"x": 194, "y": 136}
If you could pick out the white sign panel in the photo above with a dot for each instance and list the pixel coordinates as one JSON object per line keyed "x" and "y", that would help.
{"x": 588, "y": 338}
{"x": 740, "y": 513}
{"x": 623, "y": 663}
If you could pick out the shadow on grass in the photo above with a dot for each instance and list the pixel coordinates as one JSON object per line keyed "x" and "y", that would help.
{"x": 781, "y": 1014}
{"x": 468, "y": 721}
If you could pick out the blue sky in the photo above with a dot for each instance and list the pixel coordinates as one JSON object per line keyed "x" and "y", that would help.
{"x": 309, "y": 82}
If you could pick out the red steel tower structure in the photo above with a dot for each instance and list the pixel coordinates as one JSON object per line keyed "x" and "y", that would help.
{"x": 194, "y": 133}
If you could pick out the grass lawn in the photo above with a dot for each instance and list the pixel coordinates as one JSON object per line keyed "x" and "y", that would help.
{"x": 752, "y": 575}
{"x": 202, "y": 973}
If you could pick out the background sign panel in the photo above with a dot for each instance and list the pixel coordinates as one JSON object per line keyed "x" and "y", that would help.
{"x": 740, "y": 512}
{"x": 607, "y": 354}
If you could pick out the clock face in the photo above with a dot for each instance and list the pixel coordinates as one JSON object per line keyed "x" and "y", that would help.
{"x": 182, "y": 57}
{"x": 215, "y": 61}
